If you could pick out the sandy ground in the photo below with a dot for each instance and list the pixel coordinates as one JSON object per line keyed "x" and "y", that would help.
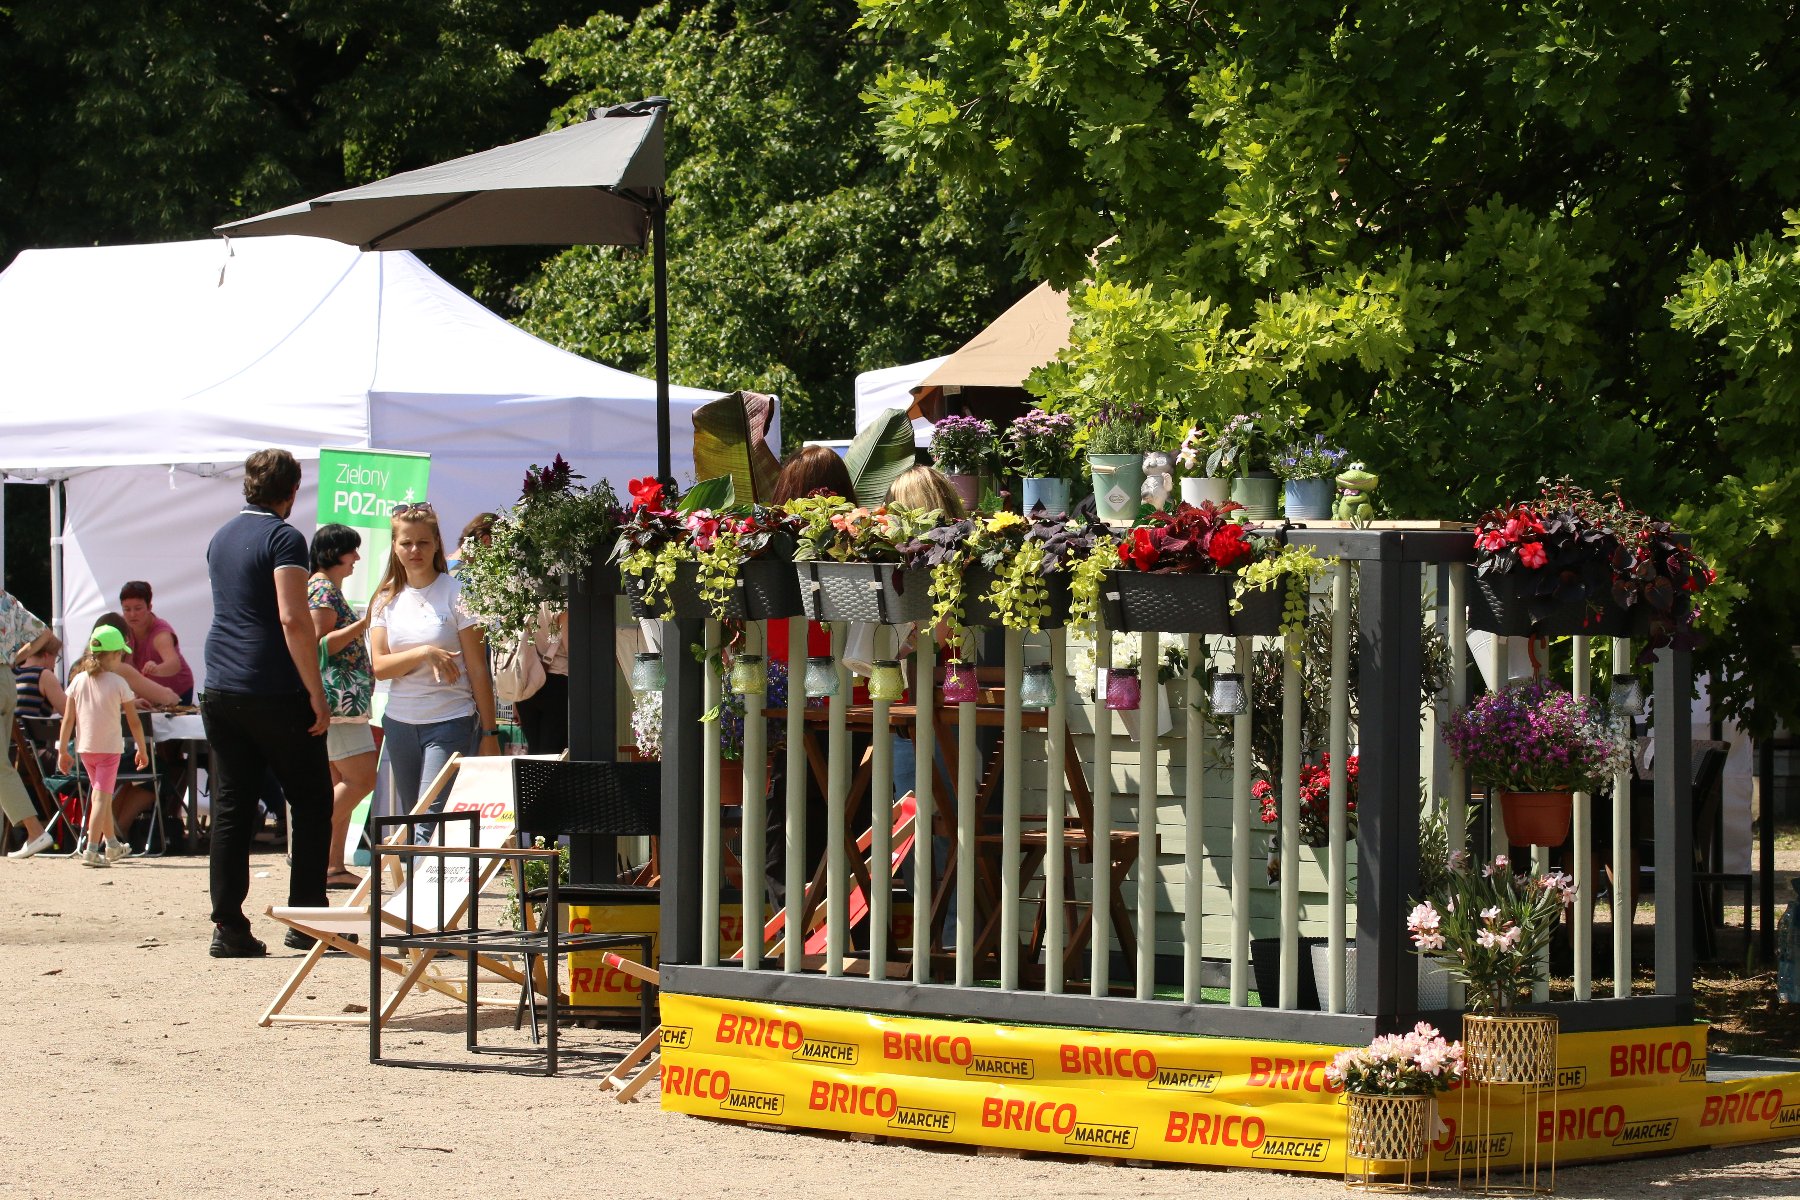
{"x": 136, "y": 1068}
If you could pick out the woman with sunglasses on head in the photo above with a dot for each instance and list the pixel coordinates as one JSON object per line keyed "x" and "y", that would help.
{"x": 424, "y": 640}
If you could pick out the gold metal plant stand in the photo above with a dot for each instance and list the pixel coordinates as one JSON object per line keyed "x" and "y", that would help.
{"x": 1385, "y": 1129}
{"x": 1506, "y": 1051}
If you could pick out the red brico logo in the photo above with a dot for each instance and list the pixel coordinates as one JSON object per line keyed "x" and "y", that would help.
{"x": 1107, "y": 1062}
{"x": 1291, "y": 1074}
{"x": 1651, "y": 1058}
{"x": 1210, "y": 1129}
{"x": 1742, "y": 1108}
{"x": 851, "y": 1100}
{"x": 737, "y": 1030}
{"x": 1028, "y": 1116}
{"x": 703, "y": 1082}
{"x": 919, "y": 1047}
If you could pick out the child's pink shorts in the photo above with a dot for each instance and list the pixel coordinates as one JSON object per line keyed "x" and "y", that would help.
{"x": 102, "y": 769}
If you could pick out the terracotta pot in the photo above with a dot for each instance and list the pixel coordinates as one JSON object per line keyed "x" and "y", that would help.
{"x": 1536, "y": 818}
{"x": 731, "y": 782}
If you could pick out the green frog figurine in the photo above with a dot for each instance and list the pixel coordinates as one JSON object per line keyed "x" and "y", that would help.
{"x": 1354, "y": 502}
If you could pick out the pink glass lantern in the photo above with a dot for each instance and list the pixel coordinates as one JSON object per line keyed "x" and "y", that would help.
{"x": 1123, "y": 689}
{"x": 959, "y": 682}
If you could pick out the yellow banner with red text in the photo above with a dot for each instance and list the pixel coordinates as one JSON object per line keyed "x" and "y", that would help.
{"x": 1219, "y": 1101}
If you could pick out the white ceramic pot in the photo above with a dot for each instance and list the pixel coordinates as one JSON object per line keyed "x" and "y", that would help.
{"x": 1196, "y": 489}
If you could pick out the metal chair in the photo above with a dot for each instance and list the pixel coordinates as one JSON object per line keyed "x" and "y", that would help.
{"x": 60, "y": 799}
{"x": 561, "y": 798}
{"x": 437, "y": 863}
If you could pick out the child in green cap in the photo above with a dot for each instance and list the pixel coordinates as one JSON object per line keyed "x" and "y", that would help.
{"x": 96, "y": 698}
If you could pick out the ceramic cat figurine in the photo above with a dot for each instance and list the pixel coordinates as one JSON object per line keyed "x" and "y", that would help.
{"x": 1159, "y": 478}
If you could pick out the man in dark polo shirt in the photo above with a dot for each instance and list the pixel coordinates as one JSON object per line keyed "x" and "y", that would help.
{"x": 263, "y": 705}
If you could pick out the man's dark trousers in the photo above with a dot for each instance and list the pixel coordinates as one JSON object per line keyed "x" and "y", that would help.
{"x": 249, "y": 734}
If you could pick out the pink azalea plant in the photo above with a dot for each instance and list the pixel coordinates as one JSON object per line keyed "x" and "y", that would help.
{"x": 1419, "y": 1063}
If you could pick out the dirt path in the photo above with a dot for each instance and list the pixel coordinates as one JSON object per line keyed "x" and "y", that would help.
{"x": 136, "y": 1068}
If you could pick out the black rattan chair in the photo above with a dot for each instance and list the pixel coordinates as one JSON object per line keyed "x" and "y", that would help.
{"x": 557, "y": 798}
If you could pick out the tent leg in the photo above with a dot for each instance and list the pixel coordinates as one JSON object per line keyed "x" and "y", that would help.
{"x": 57, "y": 624}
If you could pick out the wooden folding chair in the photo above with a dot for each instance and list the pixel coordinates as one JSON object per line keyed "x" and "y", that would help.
{"x": 483, "y": 784}
{"x": 640, "y": 1066}
{"x": 813, "y": 904}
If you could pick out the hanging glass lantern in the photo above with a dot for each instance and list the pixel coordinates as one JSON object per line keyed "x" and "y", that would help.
{"x": 1627, "y": 698}
{"x": 1123, "y": 689}
{"x": 1038, "y": 688}
{"x": 1228, "y": 698}
{"x": 647, "y": 674}
{"x": 886, "y": 683}
{"x": 821, "y": 676}
{"x": 959, "y": 682}
{"x": 748, "y": 675}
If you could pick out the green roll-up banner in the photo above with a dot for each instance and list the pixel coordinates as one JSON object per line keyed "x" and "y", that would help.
{"x": 360, "y": 488}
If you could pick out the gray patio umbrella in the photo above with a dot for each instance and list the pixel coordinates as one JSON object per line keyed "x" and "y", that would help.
{"x": 596, "y": 183}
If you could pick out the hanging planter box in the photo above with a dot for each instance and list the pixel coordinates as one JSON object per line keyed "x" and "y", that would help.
{"x": 977, "y": 581}
{"x": 684, "y": 598}
{"x": 1522, "y": 603}
{"x": 1141, "y": 602}
{"x": 770, "y": 589}
{"x": 885, "y": 593}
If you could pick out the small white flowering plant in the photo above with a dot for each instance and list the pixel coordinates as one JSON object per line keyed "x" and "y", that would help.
{"x": 1419, "y": 1063}
{"x": 1490, "y": 927}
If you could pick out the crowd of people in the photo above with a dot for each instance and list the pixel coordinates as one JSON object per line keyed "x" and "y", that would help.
{"x": 291, "y": 669}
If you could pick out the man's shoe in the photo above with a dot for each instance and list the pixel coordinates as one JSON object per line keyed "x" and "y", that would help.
{"x": 115, "y": 850}
{"x": 36, "y": 845}
{"x": 91, "y": 857}
{"x": 235, "y": 943}
{"x": 295, "y": 940}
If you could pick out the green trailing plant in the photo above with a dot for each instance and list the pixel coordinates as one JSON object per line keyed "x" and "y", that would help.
{"x": 1295, "y": 568}
{"x": 722, "y": 543}
{"x": 1087, "y": 574}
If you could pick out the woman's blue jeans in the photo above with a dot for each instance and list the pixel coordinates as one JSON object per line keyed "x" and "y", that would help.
{"x": 414, "y": 754}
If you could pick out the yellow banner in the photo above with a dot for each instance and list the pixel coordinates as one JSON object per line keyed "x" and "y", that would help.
{"x": 590, "y": 983}
{"x": 1220, "y": 1101}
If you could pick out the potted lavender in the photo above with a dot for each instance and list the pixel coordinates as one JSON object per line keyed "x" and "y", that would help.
{"x": 1042, "y": 447}
{"x": 962, "y": 447}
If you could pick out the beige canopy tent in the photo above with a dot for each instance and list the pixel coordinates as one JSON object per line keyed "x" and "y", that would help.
{"x": 1017, "y": 342}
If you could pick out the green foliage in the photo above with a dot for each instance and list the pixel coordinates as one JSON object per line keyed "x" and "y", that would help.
{"x": 133, "y": 121}
{"x": 799, "y": 255}
{"x": 1441, "y": 235}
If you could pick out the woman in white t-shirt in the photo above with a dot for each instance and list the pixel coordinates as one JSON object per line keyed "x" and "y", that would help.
{"x": 424, "y": 641}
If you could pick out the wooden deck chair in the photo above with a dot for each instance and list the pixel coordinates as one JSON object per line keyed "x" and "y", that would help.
{"x": 483, "y": 784}
{"x": 638, "y": 1067}
{"x": 904, "y": 814}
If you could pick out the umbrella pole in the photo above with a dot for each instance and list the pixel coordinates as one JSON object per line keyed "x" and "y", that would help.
{"x": 660, "y": 267}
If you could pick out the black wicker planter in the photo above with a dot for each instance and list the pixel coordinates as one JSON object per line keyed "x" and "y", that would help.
{"x": 1523, "y": 603}
{"x": 770, "y": 589}
{"x": 977, "y": 581}
{"x": 885, "y": 593}
{"x": 684, "y": 598}
{"x": 1137, "y": 602}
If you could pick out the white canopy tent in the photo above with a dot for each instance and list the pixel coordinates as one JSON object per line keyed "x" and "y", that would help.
{"x": 140, "y": 377}
{"x": 892, "y": 387}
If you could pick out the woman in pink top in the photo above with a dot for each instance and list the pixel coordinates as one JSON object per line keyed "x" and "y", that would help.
{"x": 155, "y": 650}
